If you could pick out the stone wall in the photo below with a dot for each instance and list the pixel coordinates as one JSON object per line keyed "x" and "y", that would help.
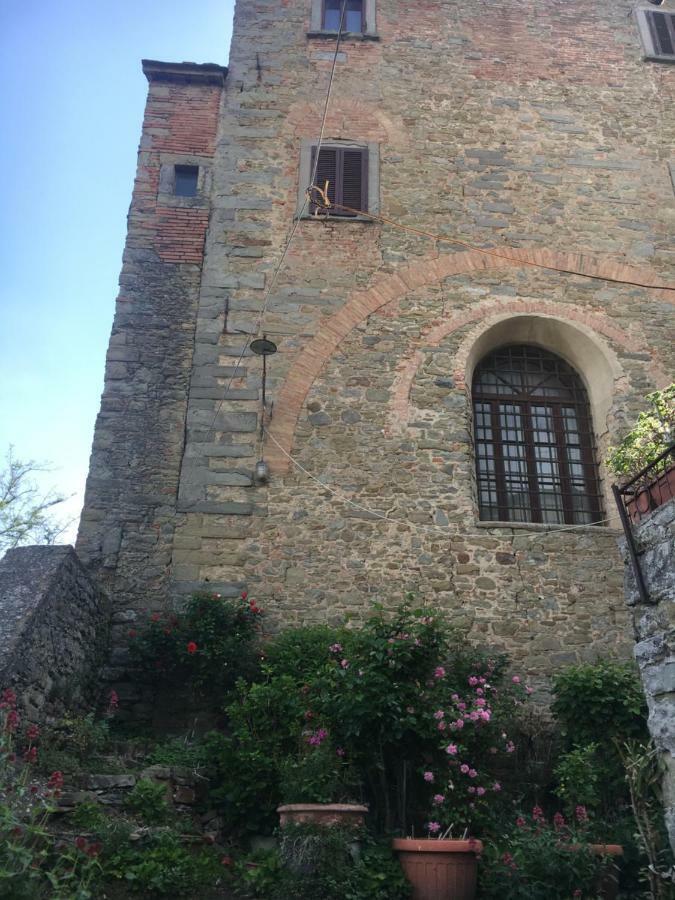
{"x": 129, "y": 513}
{"x": 654, "y": 624}
{"x": 54, "y": 630}
{"x": 550, "y": 147}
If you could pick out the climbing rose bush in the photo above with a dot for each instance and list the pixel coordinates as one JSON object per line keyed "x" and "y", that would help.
{"x": 209, "y": 645}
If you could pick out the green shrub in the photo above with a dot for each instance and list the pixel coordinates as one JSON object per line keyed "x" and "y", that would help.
{"x": 179, "y": 752}
{"x": 540, "y": 860}
{"x": 148, "y": 801}
{"x": 265, "y": 722}
{"x": 318, "y": 775}
{"x": 301, "y": 653}
{"x": 328, "y": 862}
{"x": 208, "y": 646}
{"x": 578, "y": 774}
{"x": 159, "y": 864}
{"x": 653, "y": 433}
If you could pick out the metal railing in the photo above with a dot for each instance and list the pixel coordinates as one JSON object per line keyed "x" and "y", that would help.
{"x": 650, "y": 488}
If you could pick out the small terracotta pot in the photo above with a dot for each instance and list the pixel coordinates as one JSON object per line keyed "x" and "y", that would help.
{"x": 350, "y": 815}
{"x": 439, "y": 869}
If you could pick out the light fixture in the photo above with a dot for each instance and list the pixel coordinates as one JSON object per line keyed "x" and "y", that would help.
{"x": 263, "y": 347}
{"x": 261, "y": 473}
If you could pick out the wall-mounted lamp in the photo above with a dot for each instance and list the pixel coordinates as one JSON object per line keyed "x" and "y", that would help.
{"x": 262, "y": 347}
{"x": 261, "y": 473}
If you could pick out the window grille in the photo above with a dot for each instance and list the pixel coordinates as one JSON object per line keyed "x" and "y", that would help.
{"x": 534, "y": 443}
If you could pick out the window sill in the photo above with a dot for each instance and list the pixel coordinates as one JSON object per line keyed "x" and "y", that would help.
{"x": 648, "y": 57}
{"x": 363, "y": 220}
{"x": 544, "y": 528}
{"x": 346, "y": 35}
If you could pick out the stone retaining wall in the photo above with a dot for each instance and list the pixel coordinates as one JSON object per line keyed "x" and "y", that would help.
{"x": 53, "y": 631}
{"x": 654, "y": 624}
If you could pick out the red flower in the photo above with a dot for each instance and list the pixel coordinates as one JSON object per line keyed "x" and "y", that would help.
{"x": 113, "y": 701}
{"x": 32, "y": 732}
{"x": 30, "y": 755}
{"x": 94, "y": 849}
{"x": 55, "y": 780}
{"x": 80, "y": 842}
{"x": 155, "y": 617}
{"x": 244, "y": 595}
{"x": 226, "y": 861}
{"x": 191, "y": 648}
{"x": 132, "y": 633}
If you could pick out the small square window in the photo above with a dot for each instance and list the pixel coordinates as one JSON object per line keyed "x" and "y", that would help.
{"x": 346, "y": 171}
{"x": 353, "y": 15}
{"x": 657, "y": 30}
{"x": 185, "y": 181}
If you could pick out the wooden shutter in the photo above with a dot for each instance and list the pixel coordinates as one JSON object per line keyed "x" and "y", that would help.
{"x": 662, "y": 29}
{"x": 326, "y": 171}
{"x": 354, "y": 179}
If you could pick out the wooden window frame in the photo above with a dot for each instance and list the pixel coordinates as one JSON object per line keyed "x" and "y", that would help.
{"x": 498, "y": 481}
{"x": 361, "y": 30}
{"x": 317, "y": 18}
{"x": 649, "y": 36}
{"x": 371, "y": 185}
{"x": 340, "y": 151}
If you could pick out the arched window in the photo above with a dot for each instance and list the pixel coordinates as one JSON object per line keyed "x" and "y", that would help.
{"x": 535, "y": 454}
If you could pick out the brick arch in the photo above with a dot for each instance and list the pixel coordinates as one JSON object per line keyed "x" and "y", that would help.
{"x": 390, "y": 288}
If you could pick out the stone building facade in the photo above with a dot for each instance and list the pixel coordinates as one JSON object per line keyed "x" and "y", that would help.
{"x": 541, "y": 131}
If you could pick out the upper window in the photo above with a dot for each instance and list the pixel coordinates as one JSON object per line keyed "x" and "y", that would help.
{"x": 354, "y": 15}
{"x": 346, "y": 171}
{"x": 185, "y": 181}
{"x": 535, "y": 454}
{"x": 657, "y": 30}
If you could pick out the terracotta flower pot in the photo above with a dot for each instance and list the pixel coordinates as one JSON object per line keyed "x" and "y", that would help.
{"x": 439, "y": 869}
{"x": 345, "y": 814}
{"x": 650, "y": 496}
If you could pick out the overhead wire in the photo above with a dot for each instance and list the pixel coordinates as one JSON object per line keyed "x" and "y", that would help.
{"x": 327, "y": 204}
{"x": 296, "y": 221}
{"x": 446, "y": 529}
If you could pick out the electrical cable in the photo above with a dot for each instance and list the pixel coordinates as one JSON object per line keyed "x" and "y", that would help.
{"x": 375, "y": 217}
{"x": 294, "y": 228}
{"x": 419, "y": 525}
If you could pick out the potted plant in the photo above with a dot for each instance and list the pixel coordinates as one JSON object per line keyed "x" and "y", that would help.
{"x": 647, "y": 443}
{"x": 319, "y": 786}
{"x": 462, "y": 785}
{"x": 542, "y": 859}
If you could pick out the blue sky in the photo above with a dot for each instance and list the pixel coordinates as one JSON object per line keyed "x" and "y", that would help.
{"x": 71, "y": 109}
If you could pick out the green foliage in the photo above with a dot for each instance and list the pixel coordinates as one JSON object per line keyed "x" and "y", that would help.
{"x": 148, "y": 801}
{"x": 301, "y": 653}
{"x": 189, "y": 754}
{"x": 653, "y": 433}
{"x": 578, "y": 775}
{"x": 88, "y": 816}
{"x": 318, "y": 775}
{"x": 265, "y": 722}
{"x": 538, "y": 860}
{"x": 328, "y": 862}
{"x": 161, "y": 865}
{"x": 77, "y": 738}
{"x": 209, "y": 646}
{"x": 26, "y": 514}
{"x": 600, "y": 702}
{"x": 32, "y": 864}
{"x": 644, "y": 775}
